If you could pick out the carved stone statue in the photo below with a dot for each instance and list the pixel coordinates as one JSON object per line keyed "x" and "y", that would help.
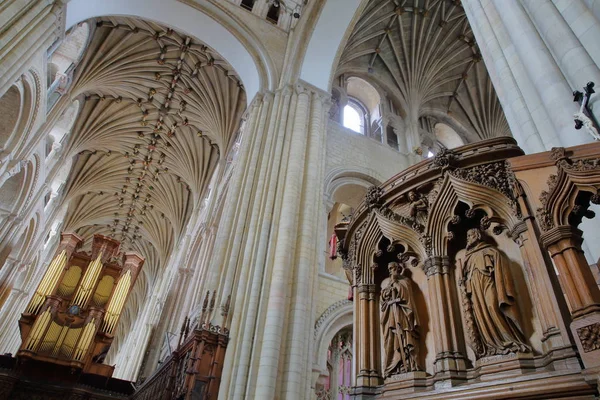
{"x": 490, "y": 300}
{"x": 418, "y": 207}
{"x": 399, "y": 323}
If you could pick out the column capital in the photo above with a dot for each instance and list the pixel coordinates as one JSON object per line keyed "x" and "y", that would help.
{"x": 286, "y": 90}
{"x": 571, "y": 235}
{"x": 436, "y": 265}
{"x": 516, "y": 233}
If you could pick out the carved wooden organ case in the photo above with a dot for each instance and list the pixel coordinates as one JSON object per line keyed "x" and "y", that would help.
{"x": 72, "y": 316}
{"x": 420, "y": 219}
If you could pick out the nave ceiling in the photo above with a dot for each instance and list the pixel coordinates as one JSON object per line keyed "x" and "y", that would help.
{"x": 423, "y": 54}
{"x": 161, "y": 109}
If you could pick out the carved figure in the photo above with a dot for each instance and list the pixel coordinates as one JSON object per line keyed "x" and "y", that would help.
{"x": 399, "y": 323}
{"x": 587, "y": 124}
{"x": 418, "y": 207}
{"x": 490, "y": 300}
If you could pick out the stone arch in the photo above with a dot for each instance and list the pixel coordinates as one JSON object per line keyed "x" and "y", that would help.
{"x": 10, "y": 104}
{"x": 240, "y": 47}
{"x": 18, "y": 251}
{"x": 19, "y": 107}
{"x": 28, "y": 236}
{"x": 336, "y": 317}
{"x": 447, "y": 136}
{"x": 14, "y": 190}
{"x": 400, "y": 106}
{"x": 440, "y": 116}
{"x": 339, "y": 177}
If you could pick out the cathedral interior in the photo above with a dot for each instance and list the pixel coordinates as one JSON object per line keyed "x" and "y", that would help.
{"x": 299, "y": 199}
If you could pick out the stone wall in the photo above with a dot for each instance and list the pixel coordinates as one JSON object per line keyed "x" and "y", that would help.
{"x": 350, "y": 151}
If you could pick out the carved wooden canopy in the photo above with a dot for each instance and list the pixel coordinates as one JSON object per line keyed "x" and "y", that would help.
{"x": 415, "y": 210}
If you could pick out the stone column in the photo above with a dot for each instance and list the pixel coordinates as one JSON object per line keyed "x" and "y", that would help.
{"x": 583, "y": 23}
{"x": 532, "y": 76}
{"x": 262, "y": 138}
{"x": 450, "y": 365}
{"x": 278, "y": 299}
{"x": 227, "y": 242}
{"x": 571, "y": 56}
{"x": 580, "y": 289}
{"x": 594, "y": 7}
{"x": 523, "y": 124}
{"x": 308, "y": 254}
{"x": 543, "y": 71}
{"x": 269, "y": 262}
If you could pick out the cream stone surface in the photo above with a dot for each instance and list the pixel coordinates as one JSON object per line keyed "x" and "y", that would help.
{"x": 234, "y": 215}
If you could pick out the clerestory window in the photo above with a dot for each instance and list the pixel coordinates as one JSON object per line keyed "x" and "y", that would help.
{"x": 355, "y": 116}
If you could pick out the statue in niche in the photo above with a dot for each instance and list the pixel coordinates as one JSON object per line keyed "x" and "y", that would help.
{"x": 418, "y": 207}
{"x": 399, "y": 323}
{"x": 489, "y": 299}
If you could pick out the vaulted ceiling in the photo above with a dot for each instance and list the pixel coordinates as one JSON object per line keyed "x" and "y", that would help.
{"x": 161, "y": 109}
{"x": 423, "y": 55}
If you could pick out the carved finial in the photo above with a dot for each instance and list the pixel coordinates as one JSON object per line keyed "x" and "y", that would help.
{"x": 212, "y": 301}
{"x": 558, "y": 153}
{"x": 444, "y": 158}
{"x": 205, "y": 303}
{"x": 225, "y": 307}
{"x": 373, "y": 197}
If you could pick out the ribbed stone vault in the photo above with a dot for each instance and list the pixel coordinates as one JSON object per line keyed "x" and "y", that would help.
{"x": 160, "y": 111}
{"x": 423, "y": 54}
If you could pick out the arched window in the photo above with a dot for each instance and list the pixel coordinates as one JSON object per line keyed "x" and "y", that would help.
{"x": 339, "y": 364}
{"x": 274, "y": 10}
{"x": 247, "y": 4}
{"x": 355, "y": 116}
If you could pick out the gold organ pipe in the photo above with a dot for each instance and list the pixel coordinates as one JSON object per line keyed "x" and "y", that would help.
{"x": 50, "y": 337}
{"x": 70, "y": 342}
{"x": 116, "y": 303}
{"x": 59, "y": 341}
{"x": 48, "y": 283}
{"x": 69, "y": 281}
{"x": 85, "y": 340}
{"x": 87, "y": 283}
{"x": 38, "y": 329}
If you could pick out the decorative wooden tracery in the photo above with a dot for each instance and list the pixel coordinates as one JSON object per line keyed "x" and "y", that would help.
{"x": 420, "y": 218}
